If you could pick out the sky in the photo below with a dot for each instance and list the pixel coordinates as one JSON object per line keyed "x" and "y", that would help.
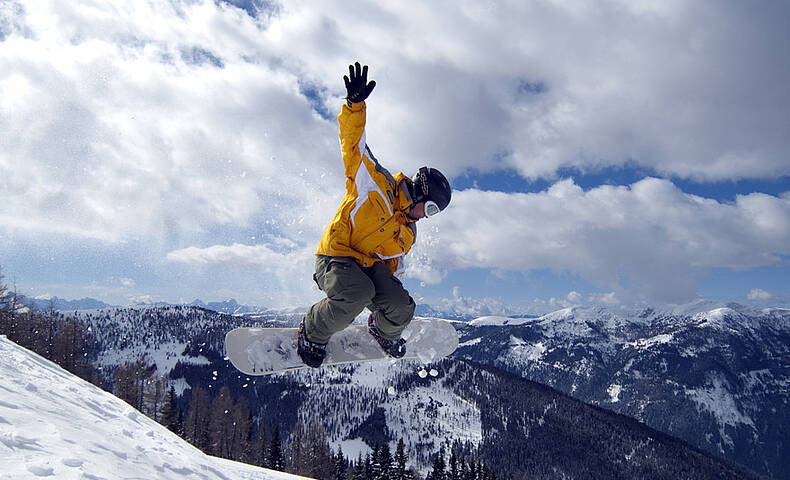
{"x": 621, "y": 152}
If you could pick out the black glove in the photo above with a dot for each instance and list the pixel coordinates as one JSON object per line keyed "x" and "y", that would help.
{"x": 357, "y": 86}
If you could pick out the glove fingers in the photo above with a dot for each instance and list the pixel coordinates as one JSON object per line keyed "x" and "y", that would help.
{"x": 357, "y": 85}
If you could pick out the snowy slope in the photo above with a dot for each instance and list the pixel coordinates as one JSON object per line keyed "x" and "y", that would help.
{"x": 53, "y": 424}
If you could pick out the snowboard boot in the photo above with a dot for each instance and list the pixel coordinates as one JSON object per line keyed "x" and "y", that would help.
{"x": 393, "y": 348}
{"x": 312, "y": 354}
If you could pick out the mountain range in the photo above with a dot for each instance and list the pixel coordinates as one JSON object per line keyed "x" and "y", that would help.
{"x": 715, "y": 377}
{"x": 462, "y": 309}
{"x": 718, "y": 378}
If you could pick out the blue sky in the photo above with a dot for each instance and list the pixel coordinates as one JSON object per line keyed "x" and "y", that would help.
{"x": 616, "y": 152}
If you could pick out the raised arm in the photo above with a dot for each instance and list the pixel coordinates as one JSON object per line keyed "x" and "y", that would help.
{"x": 352, "y": 116}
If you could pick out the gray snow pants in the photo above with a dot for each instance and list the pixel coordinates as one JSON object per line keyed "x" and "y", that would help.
{"x": 350, "y": 288}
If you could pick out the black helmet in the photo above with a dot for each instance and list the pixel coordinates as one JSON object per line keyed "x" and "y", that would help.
{"x": 431, "y": 185}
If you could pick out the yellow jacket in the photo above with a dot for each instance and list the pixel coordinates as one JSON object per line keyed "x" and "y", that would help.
{"x": 371, "y": 223}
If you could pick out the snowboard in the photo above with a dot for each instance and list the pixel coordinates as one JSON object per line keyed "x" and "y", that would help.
{"x": 263, "y": 351}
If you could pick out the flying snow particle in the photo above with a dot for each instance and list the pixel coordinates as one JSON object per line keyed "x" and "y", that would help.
{"x": 422, "y": 373}
{"x": 391, "y": 390}
{"x": 434, "y": 372}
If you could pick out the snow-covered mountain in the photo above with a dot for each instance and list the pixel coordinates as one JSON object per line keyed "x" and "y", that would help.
{"x": 513, "y": 424}
{"x": 355, "y": 404}
{"x": 45, "y": 303}
{"x": 230, "y": 306}
{"x": 457, "y": 309}
{"x": 717, "y": 376}
{"x": 55, "y": 425}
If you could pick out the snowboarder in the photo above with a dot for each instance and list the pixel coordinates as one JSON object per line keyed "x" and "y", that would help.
{"x": 362, "y": 250}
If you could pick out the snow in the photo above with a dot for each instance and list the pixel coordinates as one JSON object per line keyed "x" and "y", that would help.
{"x": 354, "y": 448}
{"x": 715, "y": 318}
{"x": 471, "y": 342}
{"x": 614, "y": 392}
{"x": 457, "y": 418}
{"x": 646, "y": 343}
{"x": 53, "y": 424}
{"x": 527, "y": 350}
{"x": 165, "y": 356}
{"x": 493, "y": 320}
{"x": 424, "y": 416}
{"x": 716, "y": 399}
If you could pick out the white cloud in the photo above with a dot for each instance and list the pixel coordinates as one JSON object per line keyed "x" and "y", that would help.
{"x": 277, "y": 273}
{"x": 110, "y": 106}
{"x": 541, "y": 306}
{"x": 117, "y": 105}
{"x": 760, "y": 295}
{"x": 574, "y": 297}
{"x": 538, "y": 85}
{"x": 116, "y": 129}
{"x": 188, "y": 123}
{"x": 649, "y": 239}
{"x": 125, "y": 282}
{"x": 237, "y": 255}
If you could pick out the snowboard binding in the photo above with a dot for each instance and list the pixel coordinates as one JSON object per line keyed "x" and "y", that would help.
{"x": 393, "y": 348}
{"x": 312, "y": 354}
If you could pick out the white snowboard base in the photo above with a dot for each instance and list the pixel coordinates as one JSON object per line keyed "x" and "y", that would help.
{"x": 262, "y": 351}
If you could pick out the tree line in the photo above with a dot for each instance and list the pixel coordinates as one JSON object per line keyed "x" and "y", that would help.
{"x": 65, "y": 342}
{"x": 226, "y": 428}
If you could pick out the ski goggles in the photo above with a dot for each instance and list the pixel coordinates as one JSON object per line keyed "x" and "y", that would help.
{"x": 431, "y": 208}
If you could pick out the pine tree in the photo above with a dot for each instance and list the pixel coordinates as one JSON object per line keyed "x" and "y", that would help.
{"x": 399, "y": 468}
{"x": 69, "y": 348}
{"x": 368, "y": 468}
{"x": 171, "y": 414}
{"x": 241, "y": 436}
{"x": 341, "y": 466}
{"x": 487, "y": 474}
{"x": 10, "y": 306}
{"x": 128, "y": 379}
{"x": 359, "y": 468}
{"x": 375, "y": 464}
{"x": 294, "y": 453}
{"x": 318, "y": 453}
{"x": 274, "y": 455}
{"x": 50, "y": 321}
{"x": 438, "y": 467}
{"x": 154, "y": 396}
{"x": 221, "y": 424}
{"x": 3, "y": 293}
{"x": 196, "y": 424}
{"x": 383, "y": 462}
{"x": 453, "y": 472}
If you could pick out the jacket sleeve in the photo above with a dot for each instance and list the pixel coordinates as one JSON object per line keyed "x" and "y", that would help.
{"x": 352, "y": 136}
